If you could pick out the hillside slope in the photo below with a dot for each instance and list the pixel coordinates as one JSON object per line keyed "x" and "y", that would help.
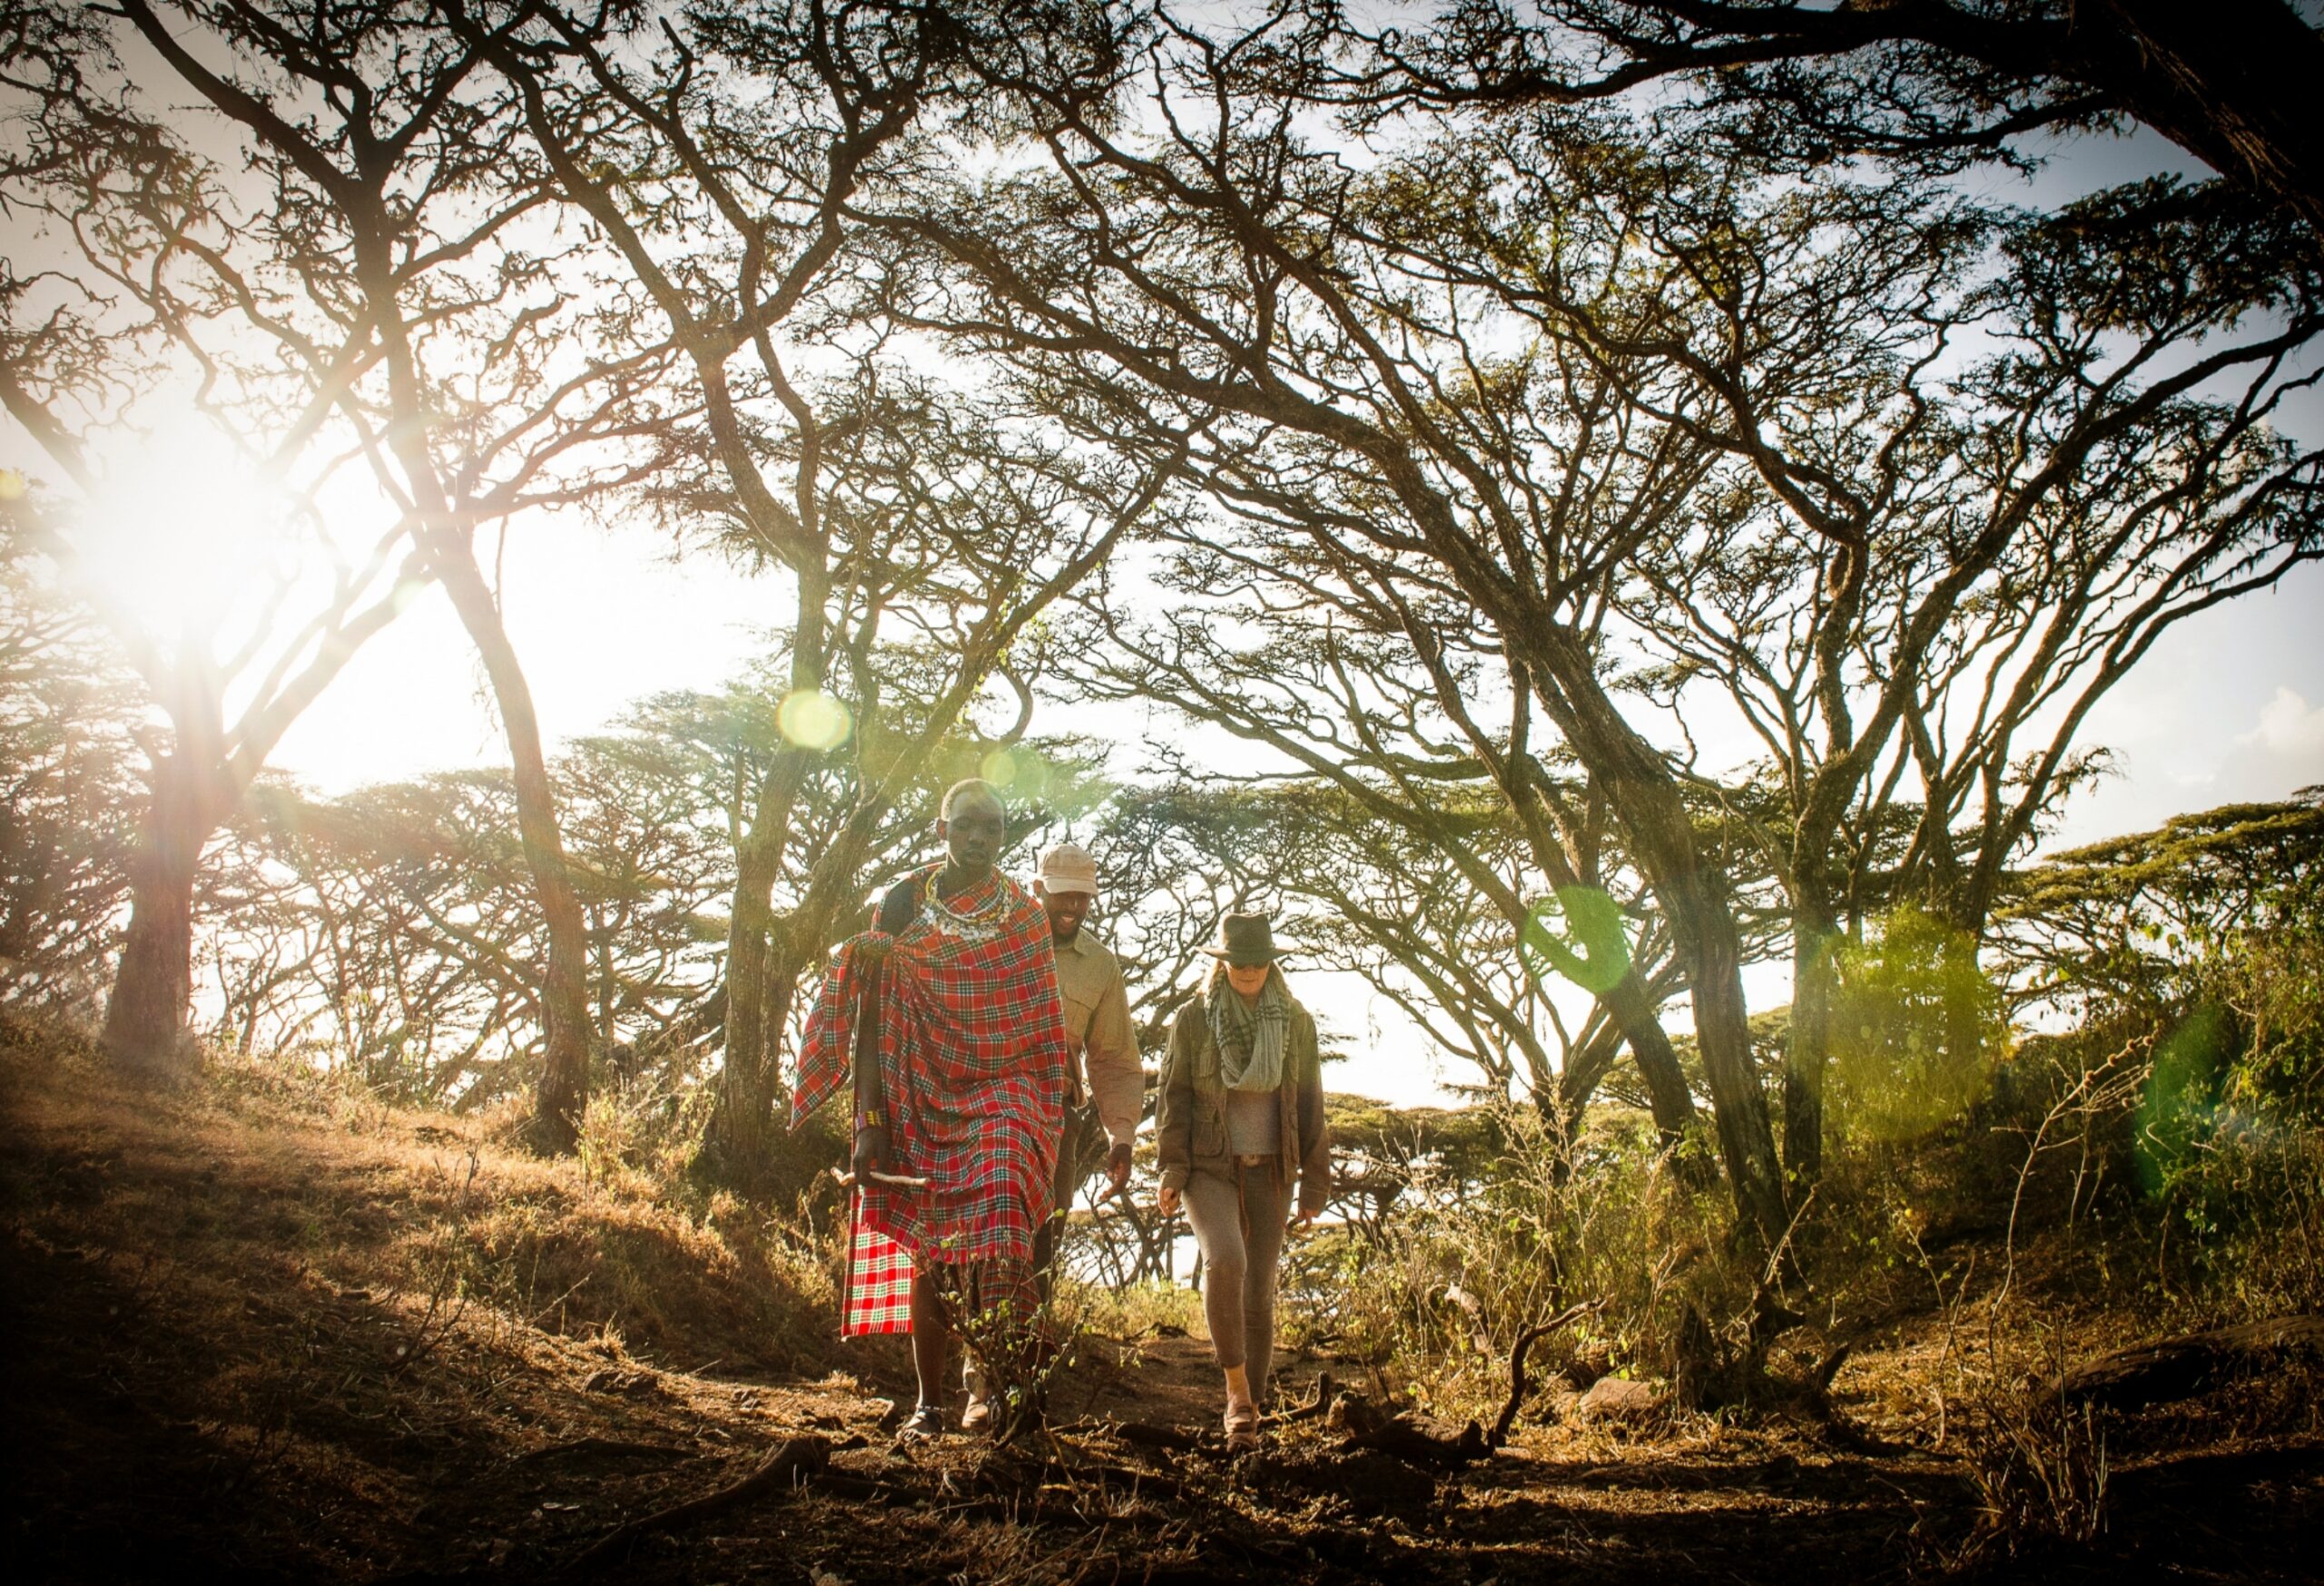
{"x": 264, "y": 1328}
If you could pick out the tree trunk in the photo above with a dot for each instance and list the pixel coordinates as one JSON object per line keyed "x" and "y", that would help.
{"x": 1808, "y": 1051}
{"x": 758, "y": 979}
{"x": 1666, "y": 1082}
{"x": 741, "y": 1125}
{"x": 145, "y": 1017}
{"x": 564, "y": 1088}
{"x": 1654, "y": 818}
{"x": 1657, "y": 1059}
{"x": 2234, "y": 82}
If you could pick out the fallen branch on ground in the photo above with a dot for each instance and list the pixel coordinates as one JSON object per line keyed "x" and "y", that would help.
{"x": 786, "y": 1468}
{"x": 1144, "y": 1434}
{"x": 1502, "y": 1422}
{"x": 2179, "y": 1368}
{"x": 608, "y": 1447}
{"x": 1406, "y": 1438}
{"x": 1320, "y": 1404}
{"x": 1830, "y": 1367}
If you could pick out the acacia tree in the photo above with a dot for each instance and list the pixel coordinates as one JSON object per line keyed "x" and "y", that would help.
{"x": 1432, "y": 336}
{"x": 386, "y": 261}
{"x": 137, "y": 253}
{"x": 1217, "y": 278}
{"x": 2117, "y": 925}
{"x": 1392, "y": 900}
{"x": 388, "y": 931}
{"x": 1313, "y": 661}
{"x": 69, "y": 712}
{"x": 1917, "y": 570}
{"x": 1939, "y": 85}
{"x": 720, "y": 166}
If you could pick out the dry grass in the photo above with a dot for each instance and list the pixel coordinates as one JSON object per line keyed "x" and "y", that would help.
{"x": 435, "y": 1216}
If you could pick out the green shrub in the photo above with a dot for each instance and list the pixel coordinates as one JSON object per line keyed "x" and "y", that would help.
{"x": 1434, "y": 1299}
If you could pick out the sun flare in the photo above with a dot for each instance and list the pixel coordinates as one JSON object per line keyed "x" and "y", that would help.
{"x": 180, "y": 533}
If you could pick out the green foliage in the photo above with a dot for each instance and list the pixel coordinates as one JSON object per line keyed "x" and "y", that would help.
{"x": 2230, "y": 1133}
{"x": 2191, "y": 959}
{"x": 2125, "y": 924}
{"x": 1478, "y": 1251}
{"x": 69, "y": 791}
{"x": 2180, "y": 1109}
{"x": 1916, "y": 1028}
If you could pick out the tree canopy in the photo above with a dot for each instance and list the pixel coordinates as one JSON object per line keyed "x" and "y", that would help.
{"x": 1580, "y": 501}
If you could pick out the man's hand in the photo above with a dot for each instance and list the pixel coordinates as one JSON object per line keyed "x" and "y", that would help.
{"x": 872, "y": 950}
{"x": 1304, "y": 1221}
{"x": 871, "y": 1153}
{"x": 1118, "y": 1167}
{"x": 1166, "y": 1201}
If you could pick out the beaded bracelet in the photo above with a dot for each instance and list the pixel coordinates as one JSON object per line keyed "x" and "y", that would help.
{"x": 869, "y": 1119}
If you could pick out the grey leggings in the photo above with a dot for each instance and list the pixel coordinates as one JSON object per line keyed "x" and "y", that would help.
{"x": 1238, "y": 1268}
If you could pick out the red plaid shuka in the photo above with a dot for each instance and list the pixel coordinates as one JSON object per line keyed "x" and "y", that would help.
{"x": 974, "y": 1063}
{"x": 878, "y": 1282}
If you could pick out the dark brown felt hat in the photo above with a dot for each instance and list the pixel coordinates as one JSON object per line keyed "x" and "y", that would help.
{"x": 1246, "y": 939}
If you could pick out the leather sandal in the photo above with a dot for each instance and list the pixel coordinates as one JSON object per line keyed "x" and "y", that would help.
{"x": 977, "y": 1415}
{"x": 925, "y": 1424}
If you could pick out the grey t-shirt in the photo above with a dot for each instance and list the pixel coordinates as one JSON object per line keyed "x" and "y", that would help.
{"x": 1254, "y": 1122}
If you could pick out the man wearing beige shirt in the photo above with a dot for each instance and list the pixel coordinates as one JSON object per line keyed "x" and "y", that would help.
{"x": 1107, "y": 1083}
{"x": 1107, "y": 1079}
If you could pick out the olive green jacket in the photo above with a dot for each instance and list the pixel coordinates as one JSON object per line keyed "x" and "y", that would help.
{"x": 1190, "y": 1114}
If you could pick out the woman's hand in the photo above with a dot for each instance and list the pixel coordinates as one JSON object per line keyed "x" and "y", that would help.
{"x": 1304, "y": 1222}
{"x": 1166, "y": 1201}
{"x": 871, "y": 1153}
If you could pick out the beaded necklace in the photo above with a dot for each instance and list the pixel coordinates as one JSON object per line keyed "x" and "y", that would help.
{"x": 977, "y": 923}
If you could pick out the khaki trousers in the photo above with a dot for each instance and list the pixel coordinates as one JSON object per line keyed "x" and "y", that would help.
{"x": 1239, "y": 1218}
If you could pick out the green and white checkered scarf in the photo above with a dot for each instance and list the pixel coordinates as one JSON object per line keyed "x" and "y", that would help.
{"x": 1250, "y": 1039}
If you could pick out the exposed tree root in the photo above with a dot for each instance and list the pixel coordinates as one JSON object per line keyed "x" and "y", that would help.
{"x": 788, "y": 1467}
{"x": 604, "y": 1448}
{"x": 1502, "y": 1422}
{"x": 1321, "y": 1404}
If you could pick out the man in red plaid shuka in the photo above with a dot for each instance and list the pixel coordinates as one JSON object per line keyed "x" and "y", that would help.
{"x": 968, "y": 1092}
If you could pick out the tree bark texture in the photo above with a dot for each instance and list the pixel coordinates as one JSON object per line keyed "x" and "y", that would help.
{"x": 1644, "y": 795}
{"x": 1632, "y": 1009}
{"x": 2233, "y": 82}
{"x": 743, "y": 1123}
{"x": 1808, "y": 1053}
{"x": 564, "y": 1088}
{"x": 146, "y": 1015}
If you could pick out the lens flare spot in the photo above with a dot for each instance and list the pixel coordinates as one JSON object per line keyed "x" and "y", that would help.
{"x": 998, "y": 768}
{"x": 1592, "y": 949}
{"x": 12, "y": 485}
{"x": 812, "y": 719}
{"x": 1929, "y": 1027}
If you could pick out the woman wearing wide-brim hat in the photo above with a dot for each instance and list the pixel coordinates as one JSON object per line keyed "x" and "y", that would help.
{"x": 1238, "y": 1126}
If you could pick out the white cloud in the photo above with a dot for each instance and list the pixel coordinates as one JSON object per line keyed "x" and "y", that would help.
{"x": 2288, "y": 725}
